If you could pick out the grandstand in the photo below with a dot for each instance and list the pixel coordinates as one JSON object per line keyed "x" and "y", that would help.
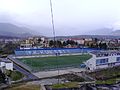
{"x": 103, "y": 59}
{"x": 51, "y": 51}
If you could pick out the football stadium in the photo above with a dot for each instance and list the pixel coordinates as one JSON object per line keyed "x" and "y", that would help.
{"x": 51, "y": 59}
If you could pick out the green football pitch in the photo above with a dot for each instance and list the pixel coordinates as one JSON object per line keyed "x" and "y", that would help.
{"x": 43, "y": 63}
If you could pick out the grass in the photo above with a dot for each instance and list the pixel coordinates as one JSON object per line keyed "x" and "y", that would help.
{"x": 70, "y": 77}
{"x": 109, "y": 81}
{"x": 65, "y": 85}
{"x": 15, "y": 75}
{"x": 105, "y": 74}
{"x": 25, "y": 87}
{"x": 52, "y": 62}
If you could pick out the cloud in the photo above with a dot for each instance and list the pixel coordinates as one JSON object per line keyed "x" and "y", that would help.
{"x": 70, "y": 16}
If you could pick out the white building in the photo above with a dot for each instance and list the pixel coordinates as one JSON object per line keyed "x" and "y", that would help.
{"x": 27, "y": 46}
{"x": 103, "y": 59}
{"x": 79, "y": 41}
{"x": 6, "y": 64}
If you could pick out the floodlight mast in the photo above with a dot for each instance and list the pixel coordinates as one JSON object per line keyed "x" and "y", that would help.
{"x": 52, "y": 18}
{"x": 54, "y": 35}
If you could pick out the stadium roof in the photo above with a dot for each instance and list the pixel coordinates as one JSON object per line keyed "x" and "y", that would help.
{"x": 106, "y": 53}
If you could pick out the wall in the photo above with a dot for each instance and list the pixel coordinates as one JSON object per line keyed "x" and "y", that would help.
{"x": 9, "y": 66}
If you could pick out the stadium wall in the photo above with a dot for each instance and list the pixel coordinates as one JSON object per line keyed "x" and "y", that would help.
{"x": 51, "y": 51}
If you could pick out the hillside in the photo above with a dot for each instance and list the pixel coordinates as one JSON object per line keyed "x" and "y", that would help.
{"x": 116, "y": 33}
{"x": 7, "y": 29}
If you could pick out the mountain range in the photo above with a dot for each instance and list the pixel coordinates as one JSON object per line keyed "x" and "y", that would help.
{"x": 105, "y": 31}
{"x": 8, "y": 29}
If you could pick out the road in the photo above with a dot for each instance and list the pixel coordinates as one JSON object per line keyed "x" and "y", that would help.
{"x": 14, "y": 60}
{"x": 22, "y": 69}
{"x": 45, "y": 74}
{"x": 28, "y": 75}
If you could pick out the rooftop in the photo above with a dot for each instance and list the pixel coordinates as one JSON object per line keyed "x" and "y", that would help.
{"x": 4, "y": 60}
{"x": 106, "y": 53}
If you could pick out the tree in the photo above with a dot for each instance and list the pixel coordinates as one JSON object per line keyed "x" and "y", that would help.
{"x": 102, "y": 45}
{"x": 64, "y": 43}
{"x": 9, "y": 48}
{"x": 39, "y": 40}
{"x": 71, "y": 42}
{"x": 51, "y": 43}
{"x": 96, "y": 40}
{"x": 91, "y": 45}
{"x": 2, "y": 77}
{"x": 58, "y": 43}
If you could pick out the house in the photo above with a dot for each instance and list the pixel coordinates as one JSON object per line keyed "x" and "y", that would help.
{"x": 103, "y": 59}
{"x": 79, "y": 40}
{"x": 6, "y": 64}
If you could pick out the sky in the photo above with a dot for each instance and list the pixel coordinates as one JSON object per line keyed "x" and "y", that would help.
{"x": 71, "y": 17}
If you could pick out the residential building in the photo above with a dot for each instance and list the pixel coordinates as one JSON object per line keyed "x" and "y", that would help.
{"x": 79, "y": 40}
